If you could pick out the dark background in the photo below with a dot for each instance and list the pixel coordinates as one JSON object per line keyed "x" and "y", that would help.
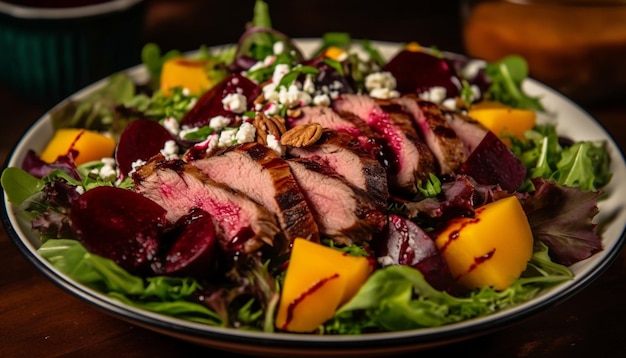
{"x": 187, "y": 24}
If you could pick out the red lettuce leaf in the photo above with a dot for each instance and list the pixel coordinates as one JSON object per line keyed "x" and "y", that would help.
{"x": 562, "y": 218}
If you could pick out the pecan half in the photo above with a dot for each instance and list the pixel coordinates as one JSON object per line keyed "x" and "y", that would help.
{"x": 274, "y": 125}
{"x": 302, "y": 135}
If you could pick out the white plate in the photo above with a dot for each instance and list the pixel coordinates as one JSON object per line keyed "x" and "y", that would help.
{"x": 571, "y": 121}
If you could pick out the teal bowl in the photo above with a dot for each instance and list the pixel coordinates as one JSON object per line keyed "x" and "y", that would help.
{"x": 46, "y": 54}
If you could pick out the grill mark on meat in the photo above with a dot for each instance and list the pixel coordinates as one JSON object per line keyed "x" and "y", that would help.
{"x": 343, "y": 212}
{"x": 264, "y": 176}
{"x": 242, "y": 225}
{"x": 413, "y": 159}
{"x": 344, "y": 154}
{"x": 442, "y": 140}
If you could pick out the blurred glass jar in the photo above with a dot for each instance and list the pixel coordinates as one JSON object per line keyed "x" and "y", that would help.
{"x": 51, "y": 49}
{"x": 578, "y": 47}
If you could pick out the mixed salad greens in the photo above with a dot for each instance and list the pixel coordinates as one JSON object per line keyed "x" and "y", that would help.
{"x": 563, "y": 184}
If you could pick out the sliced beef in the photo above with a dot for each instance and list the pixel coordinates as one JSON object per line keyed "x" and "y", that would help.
{"x": 343, "y": 212}
{"x": 442, "y": 140}
{"x": 329, "y": 119}
{"x": 344, "y": 154}
{"x": 260, "y": 173}
{"x": 470, "y": 131}
{"x": 345, "y": 122}
{"x": 242, "y": 225}
{"x": 411, "y": 160}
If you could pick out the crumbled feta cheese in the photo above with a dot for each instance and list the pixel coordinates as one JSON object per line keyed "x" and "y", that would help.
{"x": 293, "y": 97}
{"x": 172, "y": 125}
{"x": 279, "y": 71}
{"x": 384, "y": 93}
{"x": 385, "y": 261}
{"x": 308, "y": 86}
{"x": 80, "y": 190}
{"x": 278, "y": 47}
{"x": 321, "y": 100}
{"x": 246, "y": 133}
{"x": 235, "y": 102}
{"x": 434, "y": 94}
{"x": 381, "y": 85}
{"x": 472, "y": 67}
{"x": 170, "y": 150}
{"x": 227, "y": 137}
{"x": 219, "y": 122}
{"x": 269, "y": 92}
{"x": 209, "y": 144}
{"x": 475, "y": 92}
{"x": 449, "y": 103}
{"x": 271, "y": 108}
{"x": 274, "y": 144}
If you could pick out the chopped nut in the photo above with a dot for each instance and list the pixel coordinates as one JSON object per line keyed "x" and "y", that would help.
{"x": 294, "y": 112}
{"x": 274, "y": 125}
{"x": 302, "y": 135}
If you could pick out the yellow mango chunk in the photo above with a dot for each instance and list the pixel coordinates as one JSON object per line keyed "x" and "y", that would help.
{"x": 413, "y": 47}
{"x": 491, "y": 249}
{"x": 186, "y": 73}
{"x": 335, "y": 53}
{"x": 503, "y": 120}
{"x": 89, "y": 144}
{"x": 318, "y": 280}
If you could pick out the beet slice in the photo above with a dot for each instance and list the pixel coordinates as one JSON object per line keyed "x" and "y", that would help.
{"x": 119, "y": 224}
{"x": 195, "y": 247}
{"x": 140, "y": 140}
{"x": 210, "y": 104}
{"x": 493, "y": 163}
{"x": 407, "y": 244}
{"x": 417, "y": 71}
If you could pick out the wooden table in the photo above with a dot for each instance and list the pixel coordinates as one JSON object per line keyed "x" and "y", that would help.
{"x": 38, "y": 319}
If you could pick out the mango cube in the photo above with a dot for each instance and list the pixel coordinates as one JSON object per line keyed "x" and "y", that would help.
{"x": 503, "y": 120}
{"x": 490, "y": 249}
{"x": 89, "y": 144}
{"x": 318, "y": 280}
{"x": 189, "y": 74}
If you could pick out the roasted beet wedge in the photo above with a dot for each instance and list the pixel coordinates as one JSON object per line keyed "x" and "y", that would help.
{"x": 140, "y": 140}
{"x": 407, "y": 244}
{"x": 210, "y": 104}
{"x": 417, "y": 71}
{"x": 193, "y": 249}
{"x": 492, "y": 162}
{"x": 119, "y": 224}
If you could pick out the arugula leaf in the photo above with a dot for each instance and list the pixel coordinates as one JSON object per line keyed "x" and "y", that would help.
{"x": 585, "y": 164}
{"x": 506, "y": 78}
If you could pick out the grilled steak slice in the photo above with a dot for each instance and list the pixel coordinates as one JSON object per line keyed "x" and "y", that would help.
{"x": 412, "y": 161}
{"x": 344, "y": 154}
{"x": 470, "y": 131}
{"x": 442, "y": 140}
{"x": 343, "y": 212}
{"x": 330, "y": 119}
{"x": 260, "y": 173}
{"x": 241, "y": 224}
{"x": 342, "y": 122}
